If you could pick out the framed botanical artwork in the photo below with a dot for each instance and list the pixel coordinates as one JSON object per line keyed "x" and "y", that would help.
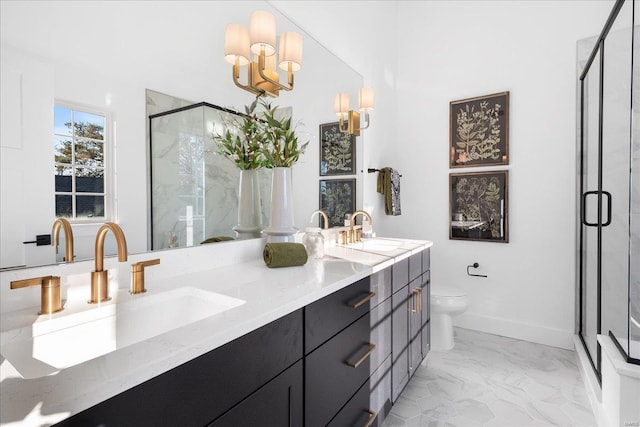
{"x": 337, "y": 151}
{"x": 479, "y": 206}
{"x": 479, "y": 131}
{"x": 337, "y": 199}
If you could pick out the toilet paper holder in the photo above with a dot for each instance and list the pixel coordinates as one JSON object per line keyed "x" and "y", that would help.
{"x": 474, "y": 265}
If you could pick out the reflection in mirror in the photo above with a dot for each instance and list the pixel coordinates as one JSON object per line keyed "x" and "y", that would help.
{"x": 194, "y": 190}
{"x": 109, "y": 68}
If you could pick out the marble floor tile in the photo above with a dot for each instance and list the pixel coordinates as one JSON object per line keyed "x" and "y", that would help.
{"x": 493, "y": 381}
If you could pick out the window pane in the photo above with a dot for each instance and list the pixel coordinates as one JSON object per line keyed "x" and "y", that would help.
{"x": 62, "y": 148}
{"x": 63, "y": 175}
{"x": 61, "y": 120}
{"x": 89, "y": 180}
{"x": 90, "y": 153}
{"x": 63, "y": 206}
{"x": 88, "y": 125}
{"x": 89, "y": 206}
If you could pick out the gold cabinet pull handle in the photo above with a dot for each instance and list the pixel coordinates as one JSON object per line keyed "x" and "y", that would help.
{"x": 372, "y": 417}
{"x": 370, "y": 348}
{"x": 414, "y": 301}
{"x": 362, "y": 301}
{"x": 419, "y": 293}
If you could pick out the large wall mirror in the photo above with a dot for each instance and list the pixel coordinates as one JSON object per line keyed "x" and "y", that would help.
{"x": 108, "y": 56}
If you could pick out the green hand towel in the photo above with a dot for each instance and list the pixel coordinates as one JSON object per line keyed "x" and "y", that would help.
{"x": 284, "y": 254}
{"x": 217, "y": 239}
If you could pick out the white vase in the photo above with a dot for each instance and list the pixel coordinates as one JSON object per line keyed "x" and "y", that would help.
{"x": 249, "y": 211}
{"x": 281, "y": 227}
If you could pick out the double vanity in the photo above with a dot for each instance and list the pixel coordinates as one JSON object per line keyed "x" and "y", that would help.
{"x": 220, "y": 339}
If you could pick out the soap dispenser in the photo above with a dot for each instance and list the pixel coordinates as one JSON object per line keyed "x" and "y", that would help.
{"x": 313, "y": 241}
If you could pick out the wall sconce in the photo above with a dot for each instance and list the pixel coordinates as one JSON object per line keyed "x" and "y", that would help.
{"x": 260, "y": 39}
{"x": 341, "y": 107}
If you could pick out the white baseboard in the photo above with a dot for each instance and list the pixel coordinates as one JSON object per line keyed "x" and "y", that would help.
{"x": 518, "y": 330}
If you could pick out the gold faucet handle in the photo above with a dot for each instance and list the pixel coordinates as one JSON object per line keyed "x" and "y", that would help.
{"x": 50, "y": 300}
{"x": 137, "y": 275}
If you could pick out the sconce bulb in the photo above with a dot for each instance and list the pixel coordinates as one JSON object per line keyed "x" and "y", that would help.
{"x": 262, "y": 32}
{"x": 290, "y": 51}
{"x": 366, "y": 100}
{"x": 236, "y": 44}
{"x": 341, "y": 105}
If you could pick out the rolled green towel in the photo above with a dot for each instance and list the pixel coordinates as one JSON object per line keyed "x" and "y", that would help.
{"x": 284, "y": 254}
{"x": 217, "y": 239}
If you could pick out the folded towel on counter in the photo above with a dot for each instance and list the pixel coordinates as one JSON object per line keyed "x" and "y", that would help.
{"x": 389, "y": 186}
{"x": 217, "y": 239}
{"x": 284, "y": 254}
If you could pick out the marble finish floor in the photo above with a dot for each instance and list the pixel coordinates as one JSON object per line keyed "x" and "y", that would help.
{"x": 491, "y": 381}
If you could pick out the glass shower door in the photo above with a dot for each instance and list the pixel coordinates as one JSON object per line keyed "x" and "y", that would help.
{"x": 616, "y": 149}
{"x": 591, "y": 210}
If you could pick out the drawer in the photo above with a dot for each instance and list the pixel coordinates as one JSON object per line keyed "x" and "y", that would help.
{"x": 380, "y": 333}
{"x": 333, "y": 313}
{"x": 329, "y": 379}
{"x": 415, "y": 266}
{"x": 381, "y": 285}
{"x": 426, "y": 259}
{"x": 400, "y": 275}
{"x": 356, "y": 412}
{"x": 380, "y": 395}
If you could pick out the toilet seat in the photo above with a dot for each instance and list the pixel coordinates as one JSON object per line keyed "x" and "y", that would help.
{"x": 446, "y": 292}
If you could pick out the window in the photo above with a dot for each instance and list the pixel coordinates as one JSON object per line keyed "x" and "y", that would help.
{"x": 80, "y": 144}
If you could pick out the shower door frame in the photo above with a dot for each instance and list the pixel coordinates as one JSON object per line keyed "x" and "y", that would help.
{"x": 599, "y": 49}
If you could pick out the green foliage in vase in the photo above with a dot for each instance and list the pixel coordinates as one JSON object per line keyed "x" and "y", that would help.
{"x": 480, "y": 200}
{"x": 478, "y": 132}
{"x": 281, "y": 147}
{"x": 243, "y": 139}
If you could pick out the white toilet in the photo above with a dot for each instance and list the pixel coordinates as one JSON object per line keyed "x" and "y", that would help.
{"x": 445, "y": 302}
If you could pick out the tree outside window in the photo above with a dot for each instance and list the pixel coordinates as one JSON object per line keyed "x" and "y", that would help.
{"x": 79, "y": 144}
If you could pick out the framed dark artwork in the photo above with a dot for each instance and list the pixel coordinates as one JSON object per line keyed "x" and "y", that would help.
{"x": 479, "y": 206}
{"x": 479, "y": 131}
{"x": 337, "y": 199}
{"x": 337, "y": 151}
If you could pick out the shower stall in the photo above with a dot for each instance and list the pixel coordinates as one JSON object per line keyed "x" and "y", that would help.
{"x": 609, "y": 188}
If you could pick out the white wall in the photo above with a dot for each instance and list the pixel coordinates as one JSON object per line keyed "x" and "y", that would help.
{"x": 420, "y": 55}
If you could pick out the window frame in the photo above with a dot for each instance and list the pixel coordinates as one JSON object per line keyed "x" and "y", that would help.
{"x": 108, "y": 160}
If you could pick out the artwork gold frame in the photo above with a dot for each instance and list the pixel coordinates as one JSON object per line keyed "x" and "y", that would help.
{"x": 479, "y": 206}
{"x": 479, "y": 131}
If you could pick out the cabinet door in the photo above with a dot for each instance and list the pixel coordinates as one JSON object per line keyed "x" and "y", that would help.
{"x": 278, "y": 403}
{"x": 415, "y": 326}
{"x": 400, "y": 342}
{"x": 426, "y": 313}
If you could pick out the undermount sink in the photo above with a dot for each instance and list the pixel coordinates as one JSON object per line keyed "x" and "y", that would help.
{"x": 376, "y": 245}
{"x": 70, "y": 340}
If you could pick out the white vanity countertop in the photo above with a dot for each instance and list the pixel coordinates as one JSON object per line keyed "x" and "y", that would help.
{"x": 268, "y": 294}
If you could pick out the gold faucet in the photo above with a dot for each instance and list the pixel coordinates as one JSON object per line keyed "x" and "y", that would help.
{"x": 137, "y": 275}
{"x": 50, "y": 301}
{"x": 324, "y": 215}
{"x": 99, "y": 277}
{"x": 68, "y": 238}
{"x": 353, "y": 236}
